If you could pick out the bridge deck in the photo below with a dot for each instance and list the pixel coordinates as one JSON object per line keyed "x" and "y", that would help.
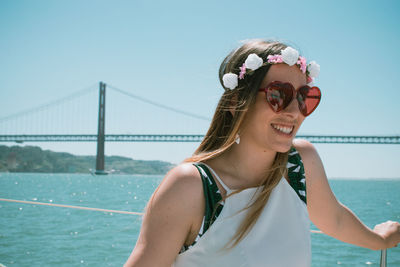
{"x": 327, "y": 139}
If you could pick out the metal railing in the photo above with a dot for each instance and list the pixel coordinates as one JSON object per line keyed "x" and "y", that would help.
{"x": 383, "y": 257}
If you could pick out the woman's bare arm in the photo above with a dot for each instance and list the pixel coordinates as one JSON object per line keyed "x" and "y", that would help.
{"x": 332, "y": 217}
{"x": 168, "y": 218}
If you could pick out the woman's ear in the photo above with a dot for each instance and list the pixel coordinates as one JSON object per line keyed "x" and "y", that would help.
{"x": 233, "y": 104}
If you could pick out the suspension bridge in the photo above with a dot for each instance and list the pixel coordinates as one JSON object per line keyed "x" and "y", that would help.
{"x": 23, "y": 126}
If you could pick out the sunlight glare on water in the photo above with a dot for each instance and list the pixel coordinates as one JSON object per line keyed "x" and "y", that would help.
{"x": 53, "y": 236}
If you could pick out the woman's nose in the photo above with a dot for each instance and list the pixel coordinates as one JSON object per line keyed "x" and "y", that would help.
{"x": 293, "y": 109}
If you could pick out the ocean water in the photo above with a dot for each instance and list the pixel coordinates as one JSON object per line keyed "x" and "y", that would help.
{"x": 35, "y": 235}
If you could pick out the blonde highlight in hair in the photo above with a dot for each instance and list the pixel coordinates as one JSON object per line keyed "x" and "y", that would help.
{"x": 227, "y": 121}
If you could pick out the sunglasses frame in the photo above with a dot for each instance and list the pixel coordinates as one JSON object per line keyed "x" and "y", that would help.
{"x": 295, "y": 94}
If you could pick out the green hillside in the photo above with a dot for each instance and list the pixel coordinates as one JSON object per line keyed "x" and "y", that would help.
{"x": 34, "y": 159}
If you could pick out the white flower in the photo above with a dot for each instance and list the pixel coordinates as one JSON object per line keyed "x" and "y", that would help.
{"x": 253, "y": 62}
{"x": 290, "y": 55}
{"x": 230, "y": 80}
{"x": 313, "y": 69}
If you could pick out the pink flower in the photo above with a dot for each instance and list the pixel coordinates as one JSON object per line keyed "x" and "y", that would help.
{"x": 309, "y": 79}
{"x": 242, "y": 71}
{"x": 274, "y": 59}
{"x": 302, "y": 64}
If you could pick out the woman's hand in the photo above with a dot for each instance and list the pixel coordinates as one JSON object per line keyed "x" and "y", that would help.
{"x": 390, "y": 232}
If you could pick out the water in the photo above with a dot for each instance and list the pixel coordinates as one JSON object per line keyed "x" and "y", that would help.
{"x": 34, "y": 235}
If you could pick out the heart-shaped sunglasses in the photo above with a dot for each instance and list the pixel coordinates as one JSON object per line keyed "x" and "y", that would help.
{"x": 280, "y": 95}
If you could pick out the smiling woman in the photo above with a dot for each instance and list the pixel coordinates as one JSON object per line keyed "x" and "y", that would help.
{"x": 246, "y": 195}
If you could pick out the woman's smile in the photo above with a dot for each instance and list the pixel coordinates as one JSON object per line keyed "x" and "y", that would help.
{"x": 283, "y": 129}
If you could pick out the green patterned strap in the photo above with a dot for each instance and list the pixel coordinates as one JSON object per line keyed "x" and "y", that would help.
{"x": 296, "y": 174}
{"x": 213, "y": 201}
{"x": 212, "y": 195}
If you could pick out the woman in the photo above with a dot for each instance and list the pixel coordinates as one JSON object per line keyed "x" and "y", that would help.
{"x": 241, "y": 199}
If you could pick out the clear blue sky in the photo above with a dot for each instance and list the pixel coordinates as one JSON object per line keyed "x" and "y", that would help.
{"x": 170, "y": 51}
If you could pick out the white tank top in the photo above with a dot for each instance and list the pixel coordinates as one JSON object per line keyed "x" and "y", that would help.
{"x": 279, "y": 238}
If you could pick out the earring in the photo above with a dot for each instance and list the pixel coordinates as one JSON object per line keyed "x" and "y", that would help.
{"x": 237, "y": 139}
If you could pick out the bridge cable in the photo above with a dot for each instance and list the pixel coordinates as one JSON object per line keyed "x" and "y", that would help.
{"x": 52, "y": 103}
{"x": 158, "y": 104}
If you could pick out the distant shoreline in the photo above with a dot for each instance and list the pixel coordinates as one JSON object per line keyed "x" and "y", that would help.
{"x": 363, "y": 178}
{"x": 32, "y": 159}
{"x": 82, "y": 173}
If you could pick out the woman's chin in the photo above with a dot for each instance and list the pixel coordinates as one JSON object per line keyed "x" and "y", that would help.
{"x": 283, "y": 147}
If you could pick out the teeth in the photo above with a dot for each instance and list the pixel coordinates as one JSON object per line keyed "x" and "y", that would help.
{"x": 286, "y": 130}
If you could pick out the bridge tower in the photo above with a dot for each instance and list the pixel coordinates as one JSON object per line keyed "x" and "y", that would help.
{"x": 101, "y": 130}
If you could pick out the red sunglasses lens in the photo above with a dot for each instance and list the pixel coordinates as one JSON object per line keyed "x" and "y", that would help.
{"x": 308, "y": 98}
{"x": 279, "y": 95}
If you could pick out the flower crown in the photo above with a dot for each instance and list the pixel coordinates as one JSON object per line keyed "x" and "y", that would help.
{"x": 288, "y": 55}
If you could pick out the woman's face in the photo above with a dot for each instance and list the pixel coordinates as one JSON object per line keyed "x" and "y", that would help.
{"x": 270, "y": 130}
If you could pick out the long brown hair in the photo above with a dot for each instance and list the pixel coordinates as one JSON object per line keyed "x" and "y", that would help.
{"x": 224, "y": 126}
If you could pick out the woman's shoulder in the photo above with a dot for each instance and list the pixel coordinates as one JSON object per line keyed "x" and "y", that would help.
{"x": 169, "y": 217}
{"x": 179, "y": 197}
{"x": 184, "y": 179}
{"x": 184, "y": 173}
{"x": 313, "y": 165}
{"x": 305, "y": 148}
